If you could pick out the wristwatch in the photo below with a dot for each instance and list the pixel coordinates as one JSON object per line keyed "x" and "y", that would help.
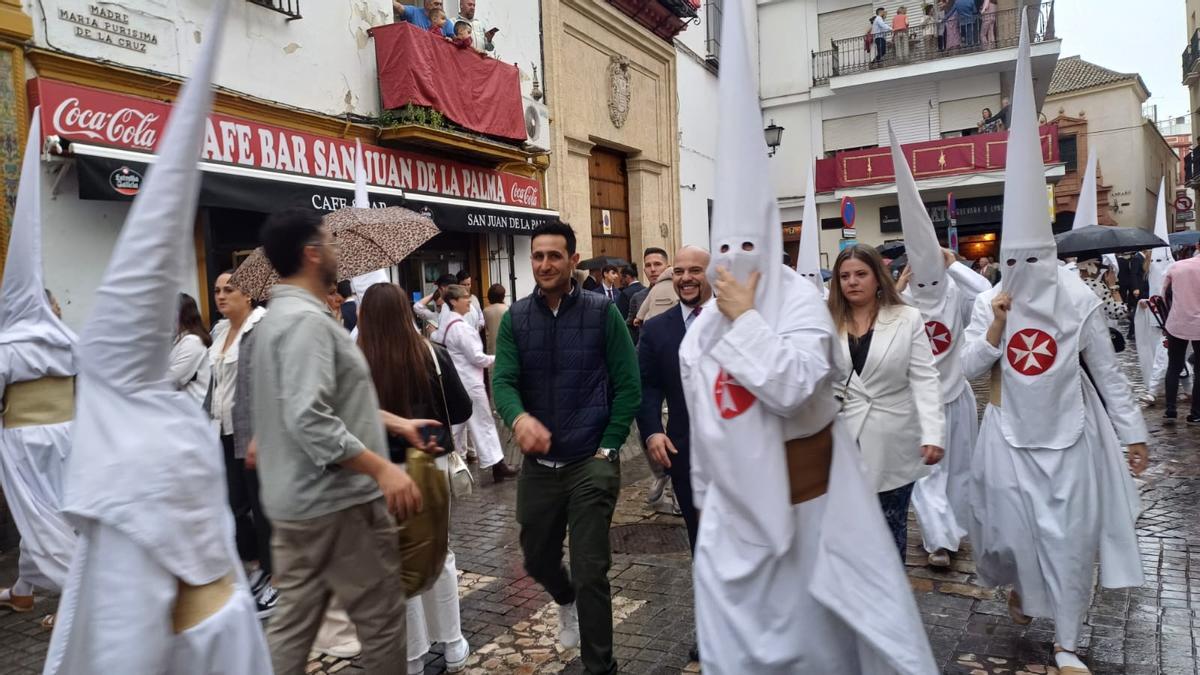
{"x": 609, "y": 454}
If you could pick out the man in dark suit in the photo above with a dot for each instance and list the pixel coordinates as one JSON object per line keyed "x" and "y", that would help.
{"x": 658, "y": 356}
{"x": 630, "y": 286}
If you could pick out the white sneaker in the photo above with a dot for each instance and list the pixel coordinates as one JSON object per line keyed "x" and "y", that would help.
{"x": 456, "y": 655}
{"x": 346, "y": 650}
{"x": 568, "y": 625}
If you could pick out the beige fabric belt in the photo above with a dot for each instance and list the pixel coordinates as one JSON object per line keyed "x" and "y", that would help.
{"x": 194, "y": 604}
{"x": 994, "y": 386}
{"x": 808, "y": 461}
{"x": 48, "y": 400}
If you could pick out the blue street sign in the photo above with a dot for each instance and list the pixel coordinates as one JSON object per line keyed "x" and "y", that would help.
{"x": 848, "y": 212}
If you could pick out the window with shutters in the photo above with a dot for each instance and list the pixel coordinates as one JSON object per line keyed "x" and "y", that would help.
{"x": 712, "y": 22}
{"x": 846, "y": 133}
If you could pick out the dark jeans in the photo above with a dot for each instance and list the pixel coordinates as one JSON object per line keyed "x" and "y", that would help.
{"x": 581, "y": 497}
{"x": 1176, "y": 352}
{"x": 880, "y": 48}
{"x": 681, "y": 480}
{"x": 895, "y": 512}
{"x": 252, "y": 529}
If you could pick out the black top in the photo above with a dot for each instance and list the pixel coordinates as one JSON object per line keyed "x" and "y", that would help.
{"x": 456, "y": 410}
{"x": 859, "y": 347}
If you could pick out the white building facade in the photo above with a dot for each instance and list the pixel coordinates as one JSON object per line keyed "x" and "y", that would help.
{"x": 297, "y": 83}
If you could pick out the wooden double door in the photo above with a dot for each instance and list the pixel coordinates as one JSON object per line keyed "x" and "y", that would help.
{"x": 609, "y": 192}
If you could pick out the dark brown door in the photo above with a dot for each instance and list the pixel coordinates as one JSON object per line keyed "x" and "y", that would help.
{"x": 610, "y": 203}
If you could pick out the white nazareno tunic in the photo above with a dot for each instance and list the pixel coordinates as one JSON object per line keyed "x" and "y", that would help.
{"x": 1042, "y": 517}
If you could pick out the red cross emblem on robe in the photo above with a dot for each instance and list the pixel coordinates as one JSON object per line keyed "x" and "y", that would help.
{"x": 732, "y": 399}
{"x": 1032, "y": 351}
{"x": 939, "y": 336}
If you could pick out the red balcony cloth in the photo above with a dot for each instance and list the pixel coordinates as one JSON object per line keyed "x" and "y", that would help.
{"x": 474, "y": 91}
{"x": 930, "y": 159}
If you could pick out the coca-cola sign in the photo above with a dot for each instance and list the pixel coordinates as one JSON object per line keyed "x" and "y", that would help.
{"x": 125, "y": 127}
{"x": 102, "y": 118}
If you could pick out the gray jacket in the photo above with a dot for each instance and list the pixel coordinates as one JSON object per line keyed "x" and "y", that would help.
{"x": 314, "y": 407}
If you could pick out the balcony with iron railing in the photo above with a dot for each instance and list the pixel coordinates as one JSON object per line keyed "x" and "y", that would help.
{"x": 1191, "y": 54}
{"x": 288, "y": 8}
{"x": 1191, "y": 167}
{"x": 918, "y": 43}
{"x": 664, "y": 18}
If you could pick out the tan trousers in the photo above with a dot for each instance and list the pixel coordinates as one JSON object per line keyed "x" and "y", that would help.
{"x": 355, "y": 555}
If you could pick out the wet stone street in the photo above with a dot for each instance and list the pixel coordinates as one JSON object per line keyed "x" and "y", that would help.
{"x": 511, "y": 623}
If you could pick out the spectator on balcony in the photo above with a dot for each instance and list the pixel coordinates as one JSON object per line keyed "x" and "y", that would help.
{"x": 987, "y": 34}
{"x": 483, "y": 39}
{"x": 900, "y": 31}
{"x": 950, "y": 26}
{"x": 933, "y": 27}
{"x": 420, "y": 16}
{"x": 462, "y": 35}
{"x": 879, "y": 31}
{"x": 967, "y": 21}
{"x": 437, "y": 22}
{"x": 990, "y": 123}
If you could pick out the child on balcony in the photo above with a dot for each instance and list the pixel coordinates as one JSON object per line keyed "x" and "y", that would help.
{"x": 437, "y": 21}
{"x": 463, "y": 35}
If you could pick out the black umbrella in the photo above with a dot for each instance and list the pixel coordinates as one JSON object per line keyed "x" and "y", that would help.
{"x": 600, "y": 261}
{"x": 891, "y": 249}
{"x": 1188, "y": 238}
{"x": 1095, "y": 240}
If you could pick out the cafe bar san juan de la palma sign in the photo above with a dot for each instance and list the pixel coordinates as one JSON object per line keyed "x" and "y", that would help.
{"x": 259, "y": 167}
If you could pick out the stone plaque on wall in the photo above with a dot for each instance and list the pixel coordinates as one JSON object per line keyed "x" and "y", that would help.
{"x": 112, "y": 32}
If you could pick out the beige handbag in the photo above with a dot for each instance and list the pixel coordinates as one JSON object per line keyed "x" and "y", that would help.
{"x": 461, "y": 480}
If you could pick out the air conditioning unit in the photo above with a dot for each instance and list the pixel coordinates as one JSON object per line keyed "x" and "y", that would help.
{"x": 537, "y": 125}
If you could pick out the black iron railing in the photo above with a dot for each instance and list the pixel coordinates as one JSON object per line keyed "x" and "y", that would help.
{"x": 918, "y": 43}
{"x": 680, "y": 8}
{"x": 1190, "y": 54}
{"x": 288, "y": 8}
{"x": 1191, "y": 166}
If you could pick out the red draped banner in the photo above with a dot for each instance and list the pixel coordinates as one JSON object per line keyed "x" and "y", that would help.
{"x": 930, "y": 159}
{"x": 472, "y": 90}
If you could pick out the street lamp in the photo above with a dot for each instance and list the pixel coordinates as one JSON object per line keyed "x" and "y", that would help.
{"x": 774, "y": 135}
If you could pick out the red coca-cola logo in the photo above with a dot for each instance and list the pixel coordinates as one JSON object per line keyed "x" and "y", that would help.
{"x": 127, "y": 127}
{"x": 526, "y": 195}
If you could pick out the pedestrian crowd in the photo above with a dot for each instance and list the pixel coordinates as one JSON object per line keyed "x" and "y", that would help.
{"x": 795, "y": 430}
{"x": 946, "y": 25}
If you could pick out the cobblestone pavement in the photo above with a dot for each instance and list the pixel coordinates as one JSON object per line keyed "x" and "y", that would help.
{"x": 510, "y": 622}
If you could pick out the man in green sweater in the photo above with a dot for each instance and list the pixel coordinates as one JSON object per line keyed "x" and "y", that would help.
{"x": 566, "y": 382}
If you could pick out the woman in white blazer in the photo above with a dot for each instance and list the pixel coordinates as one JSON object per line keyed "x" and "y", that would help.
{"x": 887, "y": 380}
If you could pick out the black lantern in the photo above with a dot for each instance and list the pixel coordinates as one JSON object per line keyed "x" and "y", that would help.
{"x": 774, "y": 136}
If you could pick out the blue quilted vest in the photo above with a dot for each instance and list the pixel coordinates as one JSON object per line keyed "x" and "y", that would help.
{"x": 564, "y": 369}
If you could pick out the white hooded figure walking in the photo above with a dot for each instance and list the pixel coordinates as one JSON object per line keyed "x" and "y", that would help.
{"x": 1152, "y": 355}
{"x": 808, "y": 261}
{"x": 1050, "y": 493}
{"x": 37, "y": 399}
{"x": 795, "y": 570}
{"x": 944, "y": 291}
{"x": 155, "y": 585}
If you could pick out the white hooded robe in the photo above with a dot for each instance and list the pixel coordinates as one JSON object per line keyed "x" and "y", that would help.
{"x": 145, "y": 483}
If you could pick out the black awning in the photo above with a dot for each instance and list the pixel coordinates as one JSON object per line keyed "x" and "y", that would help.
{"x": 114, "y": 179}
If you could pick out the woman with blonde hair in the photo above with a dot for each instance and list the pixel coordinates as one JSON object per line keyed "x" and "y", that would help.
{"x": 887, "y": 381}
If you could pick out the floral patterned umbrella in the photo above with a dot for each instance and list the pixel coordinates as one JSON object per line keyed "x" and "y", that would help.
{"x": 367, "y": 240}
